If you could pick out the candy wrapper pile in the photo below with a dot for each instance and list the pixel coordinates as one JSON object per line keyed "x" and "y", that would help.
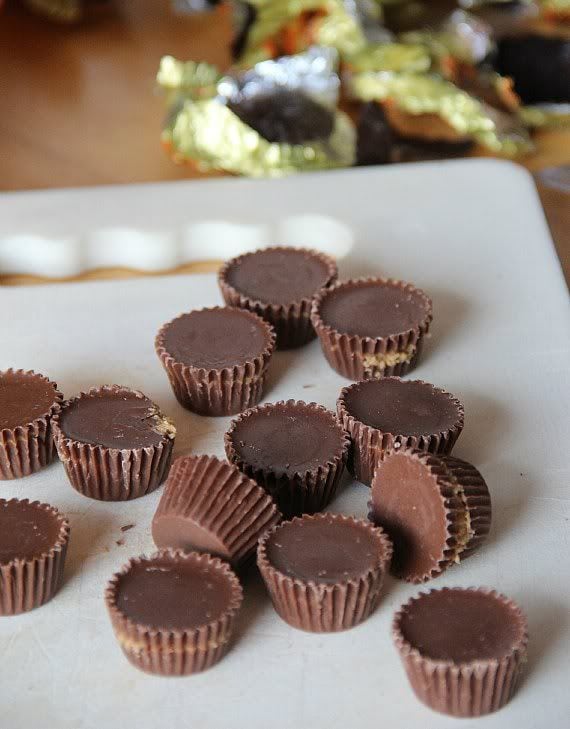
{"x": 416, "y": 83}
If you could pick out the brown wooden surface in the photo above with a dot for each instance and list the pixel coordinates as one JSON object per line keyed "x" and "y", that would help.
{"x": 78, "y": 104}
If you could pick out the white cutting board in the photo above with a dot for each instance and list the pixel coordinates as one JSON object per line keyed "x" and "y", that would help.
{"x": 472, "y": 234}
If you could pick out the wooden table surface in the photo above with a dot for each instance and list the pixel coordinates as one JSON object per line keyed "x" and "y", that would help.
{"x": 78, "y": 104}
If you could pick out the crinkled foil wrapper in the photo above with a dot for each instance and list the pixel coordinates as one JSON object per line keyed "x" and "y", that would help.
{"x": 462, "y": 36}
{"x": 209, "y": 134}
{"x": 398, "y": 57}
{"x": 283, "y": 27}
{"x": 546, "y": 116}
{"x": 430, "y": 94}
{"x": 555, "y": 9}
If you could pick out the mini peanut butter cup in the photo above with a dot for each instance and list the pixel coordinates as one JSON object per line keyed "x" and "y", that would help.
{"x": 28, "y": 402}
{"x": 463, "y": 649}
{"x": 114, "y": 443}
{"x": 435, "y": 509}
{"x": 209, "y": 505}
{"x": 33, "y": 546}
{"x": 296, "y": 451}
{"x": 325, "y": 572}
{"x": 387, "y": 414}
{"x": 173, "y": 613}
{"x": 371, "y": 327}
{"x": 216, "y": 359}
{"x": 279, "y": 284}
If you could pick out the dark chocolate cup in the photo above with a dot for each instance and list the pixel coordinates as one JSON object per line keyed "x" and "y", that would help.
{"x": 325, "y": 608}
{"x": 172, "y": 652}
{"x": 469, "y": 689}
{"x": 218, "y": 392}
{"x": 466, "y": 504}
{"x": 112, "y": 474}
{"x": 27, "y": 448}
{"x": 225, "y": 506}
{"x": 369, "y": 445}
{"x": 292, "y": 321}
{"x": 364, "y": 358}
{"x": 304, "y": 492}
{"x": 26, "y": 584}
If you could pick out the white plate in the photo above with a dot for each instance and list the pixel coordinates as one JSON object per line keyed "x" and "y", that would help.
{"x": 474, "y": 236}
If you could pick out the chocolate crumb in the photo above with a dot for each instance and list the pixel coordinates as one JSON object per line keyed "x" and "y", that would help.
{"x": 127, "y": 527}
{"x": 120, "y": 542}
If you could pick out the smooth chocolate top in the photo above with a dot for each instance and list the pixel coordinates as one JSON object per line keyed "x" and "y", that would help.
{"x": 327, "y": 550}
{"x": 23, "y": 398}
{"x": 173, "y": 594}
{"x": 285, "y": 116}
{"x": 113, "y": 419}
{"x": 402, "y": 407}
{"x": 461, "y": 626}
{"x": 373, "y": 310}
{"x": 278, "y": 276}
{"x": 287, "y": 438}
{"x": 215, "y": 338}
{"x": 406, "y": 501}
{"x": 26, "y": 530}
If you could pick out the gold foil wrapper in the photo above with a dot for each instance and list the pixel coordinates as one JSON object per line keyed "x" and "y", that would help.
{"x": 556, "y": 10}
{"x": 546, "y": 116}
{"x": 397, "y": 57}
{"x": 209, "y": 134}
{"x": 63, "y": 11}
{"x": 291, "y": 26}
{"x": 429, "y": 94}
{"x": 188, "y": 77}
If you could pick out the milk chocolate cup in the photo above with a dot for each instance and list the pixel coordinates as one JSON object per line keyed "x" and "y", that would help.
{"x": 113, "y": 473}
{"x": 369, "y": 444}
{"x": 473, "y": 677}
{"x": 295, "y": 491}
{"x": 27, "y": 446}
{"x": 180, "y": 650}
{"x": 361, "y": 357}
{"x": 409, "y": 484}
{"x": 30, "y": 579}
{"x": 219, "y": 391}
{"x": 292, "y": 319}
{"x": 319, "y": 604}
{"x": 209, "y": 505}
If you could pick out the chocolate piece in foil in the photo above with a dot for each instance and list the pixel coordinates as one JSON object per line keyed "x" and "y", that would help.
{"x": 272, "y": 28}
{"x": 190, "y": 78}
{"x": 277, "y": 118}
{"x": 550, "y": 116}
{"x": 397, "y": 57}
{"x": 464, "y": 115}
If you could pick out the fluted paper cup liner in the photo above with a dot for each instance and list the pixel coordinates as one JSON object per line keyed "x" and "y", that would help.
{"x": 369, "y": 445}
{"x": 323, "y": 607}
{"x": 361, "y": 358}
{"x": 112, "y": 474}
{"x": 467, "y": 689}
{"x": 210, "y": 505}
{"x": 305, "y": 492}
{"x": 27, "y": 583}
{"x": 27, "y": 448}
{"x": 174, "y": 652}
{"x": 465, "y": 508}
{"x": 218, "y": 392}
{"x": 291, "y": 321}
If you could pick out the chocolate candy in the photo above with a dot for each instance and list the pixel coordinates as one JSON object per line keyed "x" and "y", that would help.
{"x": 209, "y": 505}
{"x": 173, "y": 613}
{"x": 114, "y": 442}
{"x": 33, "y": 546}
{"x": 390, "y": 413}
{"x": 294, "y": 450}
{"x": 216, "y": 359}
{"x": 436, "y": 510}
{"x": 372, "y": 327}
{"x": 28, "y": 402}
{"x": 289, "y": 117}
{"x": 463, "y": 649}
{"x": 278, "y": 284}
{"x": 324, "y": 572}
